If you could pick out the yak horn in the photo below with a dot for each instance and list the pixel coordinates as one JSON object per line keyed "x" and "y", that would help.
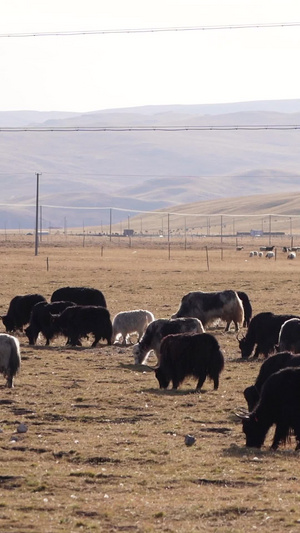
{"x": 150, "y": 367}
{"x": 242, "y": 413}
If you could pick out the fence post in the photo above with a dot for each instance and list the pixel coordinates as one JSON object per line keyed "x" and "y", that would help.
{"x": 207, "y": 259}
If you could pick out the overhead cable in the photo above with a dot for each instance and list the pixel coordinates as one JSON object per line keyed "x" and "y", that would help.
{"x": 83, "y": 129}
{"x": 150, "y": 30}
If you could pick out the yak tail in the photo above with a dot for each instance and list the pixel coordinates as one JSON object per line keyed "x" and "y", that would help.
{"x": 14, "y": 362}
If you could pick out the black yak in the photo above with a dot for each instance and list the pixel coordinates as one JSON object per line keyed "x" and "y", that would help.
{"x": 10, "y": 358}
{"x": 270, "y": 366}
{"x": 41, "y": 320}
{"x": 19, "y": 311}
{"x": 209, "y": 306}
{"x": 263, "y": 332}
{"x": 183, "y": 355}
{"x": 79, "y": 295}
{"x": 279, "y": 404}
{"x": 78, "y": 321}
{"x": 160, "y": 328}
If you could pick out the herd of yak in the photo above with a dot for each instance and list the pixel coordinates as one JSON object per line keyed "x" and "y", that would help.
{"x": 181, "y": 345}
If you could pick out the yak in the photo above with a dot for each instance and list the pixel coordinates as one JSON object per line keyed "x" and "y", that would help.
{"x": 289, "y": 336}
{"x": 279, "y": 404}
{"x": 129, "y": 322}
{"x": 10, "y": 358}
{"x": 270, "y": 366}
{"x": 160, "y": 328}
{"x": 41, "y": 320}
{"x": 183, "y": 355}
{"x": 78, "y": 321}
{"x": 247, "y": 307}
{"x": 209, "y": 306}
{"x": 19, "y": 311}
{"x": 263, "y": 331}
{"x": 79, "y": 295}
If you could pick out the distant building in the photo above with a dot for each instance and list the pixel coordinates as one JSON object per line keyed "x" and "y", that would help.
{"x": 128, "y": 232}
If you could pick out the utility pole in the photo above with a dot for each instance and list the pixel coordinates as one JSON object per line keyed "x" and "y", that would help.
{"x": 37, "y": 214}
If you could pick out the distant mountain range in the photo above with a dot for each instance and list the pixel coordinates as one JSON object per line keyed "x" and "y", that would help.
{"x": 143, "y": 170}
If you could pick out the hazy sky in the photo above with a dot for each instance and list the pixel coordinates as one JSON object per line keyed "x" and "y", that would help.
{"x": 91, "y": 72}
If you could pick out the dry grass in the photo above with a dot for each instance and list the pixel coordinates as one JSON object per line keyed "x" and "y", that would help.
{"x": 105, "y": 447}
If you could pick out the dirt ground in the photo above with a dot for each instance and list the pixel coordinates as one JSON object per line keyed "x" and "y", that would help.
{"x": 105, "y": 448}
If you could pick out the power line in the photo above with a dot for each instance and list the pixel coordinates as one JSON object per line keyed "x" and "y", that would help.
{"x": 157, "y": 212}
{"x": 150, "y": 30}
{"x": 120, "y": 129}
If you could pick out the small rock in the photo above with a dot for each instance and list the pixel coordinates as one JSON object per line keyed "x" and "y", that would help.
{"x": 22, "y": 428}
{"x": 189, "y": 440}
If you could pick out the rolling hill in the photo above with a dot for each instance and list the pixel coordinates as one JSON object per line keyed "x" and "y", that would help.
{"x": 83, "y": 174}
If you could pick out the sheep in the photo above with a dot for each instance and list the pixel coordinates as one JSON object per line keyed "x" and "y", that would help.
{"x": 130, "y": 322}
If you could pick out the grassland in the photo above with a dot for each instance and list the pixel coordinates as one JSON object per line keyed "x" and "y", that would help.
{"x": 104, "y": 450}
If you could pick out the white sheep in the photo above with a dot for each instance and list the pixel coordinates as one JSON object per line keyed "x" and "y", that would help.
{"x": 127, "y": 323}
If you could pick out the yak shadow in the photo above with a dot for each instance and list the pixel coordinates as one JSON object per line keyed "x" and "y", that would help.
{"x": 137, "y": 367}
{"x": 173, "y": 392}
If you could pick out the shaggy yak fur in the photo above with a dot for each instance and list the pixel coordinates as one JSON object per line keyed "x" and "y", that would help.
{"x": 270, "y": 366}
{"x": 79, "y": 295}
{"x": 41, "y": 320}
{"x": 247, "y": 307}
{"x": 10, "y": 358}
{"x": 183, "y": 355}
{"x": 289, "y": 336}
{"x": 157, "y": 330}
{"x": 263, "y": 332}
{"x": 78, "y": 321}
{"x": 130, "y": 322}
{"x": 279, "y": 404}
{"x": 210, "y": 306}
{"x": 19, "y": 311}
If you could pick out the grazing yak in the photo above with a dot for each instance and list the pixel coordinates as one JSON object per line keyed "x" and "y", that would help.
{"x": 263, "y": 331}
{"x": 279, "y": 404}
{"x": 78, "y": 321}
{"x": 184, "y": 355}
{"x": 79, "y": 295}
{"x": 129, "y": 322}
{"x": 10, "y": 358}
{"x": 41, "y": 320}
{"x": 269, "y": 367}
{"x": 19, "y": 311}
{"x": 247, "y": 307}
{"x": 289, "y": 336}
{"x": 160, "y": 328}
{"x": 209, "y": 306}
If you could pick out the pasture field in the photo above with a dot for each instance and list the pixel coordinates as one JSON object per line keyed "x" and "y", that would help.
{"x": 104, "y": 450}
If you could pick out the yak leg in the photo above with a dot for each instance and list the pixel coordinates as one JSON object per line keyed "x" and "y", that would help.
{"x": 9, "y": 382}
{"x": 281, "y": 432}
{"x": 216, "y": 382}
{"x": 201, "y": 379}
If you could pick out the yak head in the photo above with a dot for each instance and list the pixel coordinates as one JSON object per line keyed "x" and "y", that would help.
{"x": 245, "y": 347}
{"x": 8, "y": 323}
{"x": 253, "y": 429}
{"x": 136, "y": 352}
{"x": 161, "y": 378}
{"x": 31, "y": 337}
